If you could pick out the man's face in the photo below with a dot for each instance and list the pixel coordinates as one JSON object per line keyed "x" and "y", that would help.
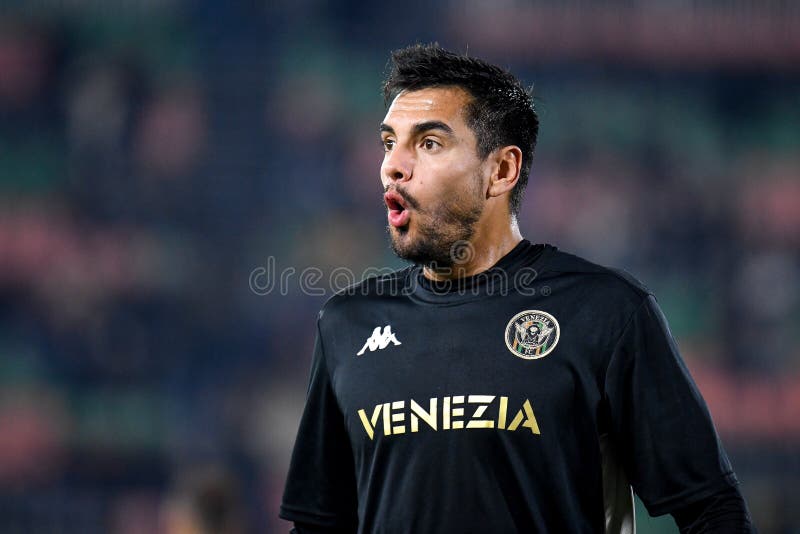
{"x": 431, "y": 174}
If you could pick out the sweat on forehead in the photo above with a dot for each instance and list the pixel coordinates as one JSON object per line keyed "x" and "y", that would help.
{"x": 433, "y": 102}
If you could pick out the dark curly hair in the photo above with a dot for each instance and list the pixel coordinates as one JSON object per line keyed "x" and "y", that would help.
{"x": 501, "y": 112}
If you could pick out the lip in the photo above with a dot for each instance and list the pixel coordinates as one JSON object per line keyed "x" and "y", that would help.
{"x": 394, "y": 200}
{"x": 398, "y": 210}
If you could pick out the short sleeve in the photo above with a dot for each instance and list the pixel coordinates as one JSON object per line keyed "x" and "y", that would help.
{"x": 658, "y": 419}
{"x": 320, "y": 487}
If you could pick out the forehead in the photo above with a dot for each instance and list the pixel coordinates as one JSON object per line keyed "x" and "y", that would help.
{"x": 445, "y": 104}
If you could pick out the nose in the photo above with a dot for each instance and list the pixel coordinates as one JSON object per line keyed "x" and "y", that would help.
{"x": 397, "y": 166}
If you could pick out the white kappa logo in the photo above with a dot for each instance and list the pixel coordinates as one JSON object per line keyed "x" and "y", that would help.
{"x": 379, "y": 340}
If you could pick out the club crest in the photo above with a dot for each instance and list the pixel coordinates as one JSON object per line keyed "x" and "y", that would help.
{"x": 532, "y": 334}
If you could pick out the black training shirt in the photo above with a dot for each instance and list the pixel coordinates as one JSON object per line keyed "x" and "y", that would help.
{"x": 528, "y": 398}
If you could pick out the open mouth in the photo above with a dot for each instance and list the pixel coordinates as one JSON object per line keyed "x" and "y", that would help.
{"x": 398, "y": 213}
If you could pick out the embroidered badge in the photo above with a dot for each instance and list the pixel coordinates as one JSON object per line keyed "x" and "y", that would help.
{"x": 532, "y": 334}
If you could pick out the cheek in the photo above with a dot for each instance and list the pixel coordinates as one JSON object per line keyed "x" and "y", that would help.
{"x": 441, "y": 182}
{"x": 450, "y": 180}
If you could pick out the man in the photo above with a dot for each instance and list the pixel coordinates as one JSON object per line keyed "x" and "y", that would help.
{"x": 494, "y": 385}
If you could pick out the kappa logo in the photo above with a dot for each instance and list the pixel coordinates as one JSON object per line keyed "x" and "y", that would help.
{"x": 532, "y": 334}
{"x": 379, "y": 340}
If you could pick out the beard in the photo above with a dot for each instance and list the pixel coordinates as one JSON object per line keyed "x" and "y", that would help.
{"x": 442, "y": 232}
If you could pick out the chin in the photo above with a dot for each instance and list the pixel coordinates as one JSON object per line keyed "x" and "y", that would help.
{"x": 416, "y": 249}
{"x": 402, "y": 241}
{"x": 400, "y": 237}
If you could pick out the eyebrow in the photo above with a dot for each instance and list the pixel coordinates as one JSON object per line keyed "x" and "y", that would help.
{"x": 422, "y": 127}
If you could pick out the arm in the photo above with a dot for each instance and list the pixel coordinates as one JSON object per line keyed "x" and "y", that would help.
{"x": 661, "y": 425}
{"x": 320, "y": 493}
{"x": 724, "y": 512}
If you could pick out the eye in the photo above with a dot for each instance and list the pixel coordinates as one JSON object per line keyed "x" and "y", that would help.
{"x": 430, "y": 144}
{"x": 387, "y": 144}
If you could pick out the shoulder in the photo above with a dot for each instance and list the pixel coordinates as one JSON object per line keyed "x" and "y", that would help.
{"x": 382, "y": 285}
{"x": 604, "y": 299}
{"x": 609, "y": 282}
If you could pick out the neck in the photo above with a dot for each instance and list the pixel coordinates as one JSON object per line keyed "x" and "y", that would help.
{"x": 486, "y": 248}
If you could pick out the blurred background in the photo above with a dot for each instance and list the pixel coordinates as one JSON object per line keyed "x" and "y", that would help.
{"x": 162, "y": 160}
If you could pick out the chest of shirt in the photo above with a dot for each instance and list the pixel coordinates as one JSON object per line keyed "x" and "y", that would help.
{"x": 510, "y": 364}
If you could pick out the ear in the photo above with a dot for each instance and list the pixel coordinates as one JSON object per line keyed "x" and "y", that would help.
{"x": 505, "y": 174}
